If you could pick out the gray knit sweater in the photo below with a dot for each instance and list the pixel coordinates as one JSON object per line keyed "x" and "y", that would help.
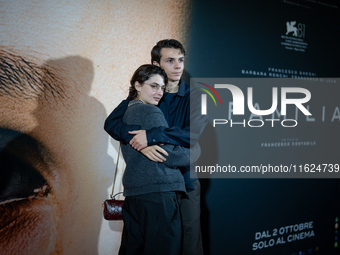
{"x": 144, "y": 176}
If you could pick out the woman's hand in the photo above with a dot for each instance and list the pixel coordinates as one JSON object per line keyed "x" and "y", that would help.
{"x": 154, "y": 153}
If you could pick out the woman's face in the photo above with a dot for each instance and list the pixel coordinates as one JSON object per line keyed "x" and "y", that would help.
{"x": 151, "y": 91}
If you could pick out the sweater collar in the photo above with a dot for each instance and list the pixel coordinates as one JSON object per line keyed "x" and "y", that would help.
{"x": 135, "y": 101}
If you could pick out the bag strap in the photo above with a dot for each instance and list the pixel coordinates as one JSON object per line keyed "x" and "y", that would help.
{"x": 114, "y": 179}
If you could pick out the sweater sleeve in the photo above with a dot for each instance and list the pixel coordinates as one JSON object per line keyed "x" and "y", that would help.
{"x": 178, "y": 155}
{"x": 181, "y": 156}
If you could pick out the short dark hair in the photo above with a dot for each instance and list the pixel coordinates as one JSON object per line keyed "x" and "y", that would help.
{"x": 167, "y": 43}
{"x": 144, "y": 73}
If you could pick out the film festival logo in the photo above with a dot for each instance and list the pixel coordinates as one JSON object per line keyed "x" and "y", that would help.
{"x": 294, "y": 37}
{"x": 236, "y": 107}
{"x": 298, "y": 31}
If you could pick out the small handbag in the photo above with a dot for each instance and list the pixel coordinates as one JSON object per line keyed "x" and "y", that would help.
{"x": 113, "y": 208}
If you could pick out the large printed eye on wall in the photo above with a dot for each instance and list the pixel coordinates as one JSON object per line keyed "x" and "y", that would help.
{"x": 19, "y": 179}
{"x": 26, "y": 203}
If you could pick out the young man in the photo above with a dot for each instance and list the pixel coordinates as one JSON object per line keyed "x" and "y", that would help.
{"x": 175, "y": 104}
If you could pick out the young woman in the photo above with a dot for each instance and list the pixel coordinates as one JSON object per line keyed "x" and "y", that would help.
{"x": 152, "y": 223}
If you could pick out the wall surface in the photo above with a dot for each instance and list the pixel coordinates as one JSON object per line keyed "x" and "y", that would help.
{"x": 65, "y": 65}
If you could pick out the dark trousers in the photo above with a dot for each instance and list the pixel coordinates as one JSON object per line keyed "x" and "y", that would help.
{"x": 152, "y": 225}
{"x": 190, "y": 207}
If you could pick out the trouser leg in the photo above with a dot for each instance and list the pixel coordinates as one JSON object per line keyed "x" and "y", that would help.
{"x": 162, "y": 225}
{"x": 152, "y": 225}
{"x": 132, "y": 238}
{"x": 190, "y": 208}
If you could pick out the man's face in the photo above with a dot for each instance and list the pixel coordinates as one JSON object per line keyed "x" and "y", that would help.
{"x": 172, "y": 61}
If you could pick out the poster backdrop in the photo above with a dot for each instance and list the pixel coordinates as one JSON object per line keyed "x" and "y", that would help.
{"x": 296, "y": 43}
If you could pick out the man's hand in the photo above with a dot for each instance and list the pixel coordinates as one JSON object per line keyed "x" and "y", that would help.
{"x": 153, "y": 153}
{"x": 139, "y": 141}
